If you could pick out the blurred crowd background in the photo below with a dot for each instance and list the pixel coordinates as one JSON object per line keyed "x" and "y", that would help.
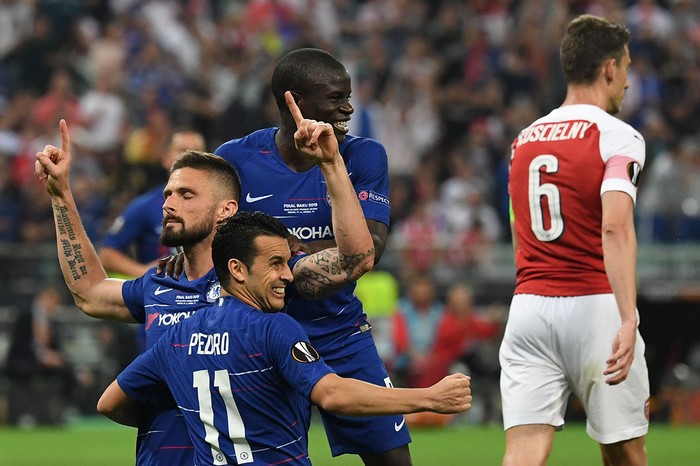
{"x": 444, "y": 85}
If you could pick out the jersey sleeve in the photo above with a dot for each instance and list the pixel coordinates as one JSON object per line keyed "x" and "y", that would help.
{"x": 133, "y": 293}
{"x": 290, "y": 350}
{"x": 142, "y": 381}
{"x": 369, "y": 173}
{"x": 623, "y": 152}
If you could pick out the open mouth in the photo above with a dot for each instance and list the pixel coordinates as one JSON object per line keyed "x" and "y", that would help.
{"x": 341, "y": 126}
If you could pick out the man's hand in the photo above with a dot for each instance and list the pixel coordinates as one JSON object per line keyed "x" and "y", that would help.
{"x": 453, "y": 394}
{"x": 315, "y": 139}
{"x": 52, "y": 165}
{"x": 172, "y": 265}
{"x": 296, "y": 245}
{"x": 623, "y": 354}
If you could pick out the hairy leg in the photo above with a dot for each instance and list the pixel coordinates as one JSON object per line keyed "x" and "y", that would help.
{"x": 528, "y": 445}
{"x": 626, "y": 453}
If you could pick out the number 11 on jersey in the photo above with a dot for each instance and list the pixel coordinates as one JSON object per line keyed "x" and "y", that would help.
{"x": 236, "y": 428}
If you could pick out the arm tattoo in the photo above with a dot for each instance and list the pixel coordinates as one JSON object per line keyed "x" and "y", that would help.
{"x": 70, "y": 248}
{"x": 326, "y": 271}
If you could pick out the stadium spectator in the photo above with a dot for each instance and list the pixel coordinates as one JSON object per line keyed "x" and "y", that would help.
{"x": 463, "y": 331}
{"x": 572, "y": 325}
{"x": 415, "y": 328}
{"x": 378, "y": 290}
{"x": 45, "y": 386}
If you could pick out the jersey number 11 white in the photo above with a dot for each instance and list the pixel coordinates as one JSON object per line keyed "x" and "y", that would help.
{"x": 201, "y": 381}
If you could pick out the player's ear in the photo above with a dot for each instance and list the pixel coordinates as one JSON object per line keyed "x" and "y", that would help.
{"x": 298, "y": 99}
{"x": 226, "y": 209}
{"x": 610, "y": 69}
{"x": 238, "y": 270}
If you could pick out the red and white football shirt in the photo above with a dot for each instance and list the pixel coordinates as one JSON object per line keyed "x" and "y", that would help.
{"x": 560, "y": 166}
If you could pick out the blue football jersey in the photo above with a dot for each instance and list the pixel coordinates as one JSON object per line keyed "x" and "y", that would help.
{"x": 336, "y": 325}
{"x": 159, "y": 303}
{"x": 242, "y": 379}
{"x": 140, "y": 224}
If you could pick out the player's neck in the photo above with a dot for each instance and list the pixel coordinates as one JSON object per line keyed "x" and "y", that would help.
{"x": 198, "y": 260}
{"x": 585, "y": 95}
{"x": 284, "y": 140}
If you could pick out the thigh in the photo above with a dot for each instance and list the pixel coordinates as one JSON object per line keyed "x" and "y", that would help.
{"x": 614, "y": 413}
{"x": 528, "y": 445}
{"x": 534, "y": 387}
{"x": 364, "y": 435}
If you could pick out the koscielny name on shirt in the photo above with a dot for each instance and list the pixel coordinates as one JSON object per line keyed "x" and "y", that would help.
{"x": 209, "y": 344}
{"x": 554, "y": 132}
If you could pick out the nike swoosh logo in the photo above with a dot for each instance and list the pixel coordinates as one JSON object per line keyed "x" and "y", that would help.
{"x": 397, "y": 427}
{"x": 249, "y": 198}
{"x": 161, "y": 291}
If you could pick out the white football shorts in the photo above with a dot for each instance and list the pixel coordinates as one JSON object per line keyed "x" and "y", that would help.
{"x": 556, "y": 346}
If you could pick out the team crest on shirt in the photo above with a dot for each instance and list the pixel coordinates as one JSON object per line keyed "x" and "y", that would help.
{"x": 304, "y": 352}
{"x": 214, "y": 292}
{"x": 634, "y": 170}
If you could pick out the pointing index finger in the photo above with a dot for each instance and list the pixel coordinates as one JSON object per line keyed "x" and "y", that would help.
{"x": 65, "y": 137}
{"x": 293, "y": 107}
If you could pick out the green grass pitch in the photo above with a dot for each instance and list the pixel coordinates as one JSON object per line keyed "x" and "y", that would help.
{"x": 98, "y": 442}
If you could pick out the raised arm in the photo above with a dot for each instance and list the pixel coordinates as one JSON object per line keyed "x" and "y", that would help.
{"x": 324, "y": 272}
{"x": 94, "y": 293}
{"x": 352, "y": 397}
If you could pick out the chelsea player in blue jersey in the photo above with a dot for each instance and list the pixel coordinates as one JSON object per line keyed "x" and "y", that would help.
{"x": 243, "y": 374}
{"x": 141, "y": 223}
{"x": 201, "y": 192}
{"x": 280, "y": 180}
{"x": 242, "y": 377}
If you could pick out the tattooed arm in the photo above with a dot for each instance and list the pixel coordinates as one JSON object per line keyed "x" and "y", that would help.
{"x": 324, "y": 272}
{"x": 94, "y": 293}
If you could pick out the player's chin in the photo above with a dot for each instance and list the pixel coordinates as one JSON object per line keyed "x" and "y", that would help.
{"x": 339, "y": 135}
{"x": 276, "y": 299}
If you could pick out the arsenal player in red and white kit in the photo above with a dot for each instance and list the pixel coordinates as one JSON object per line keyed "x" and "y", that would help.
{"x": 572, "y": 326}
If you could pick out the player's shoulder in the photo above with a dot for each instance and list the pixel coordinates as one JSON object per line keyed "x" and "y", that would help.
{"x": 357, "y": 145}
{"x": 604, "y": 121}
{"x": 231, "y": 312}
{"x": 364, "y": 156}
{"x": 244, "y": 147}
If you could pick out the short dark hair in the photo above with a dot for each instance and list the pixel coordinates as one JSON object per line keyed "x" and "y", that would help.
{"x": 235, "y": 239}
{"x": 299, "y": 70}
{"x": 219, "y": 168}
{"x": 590, "y": 41}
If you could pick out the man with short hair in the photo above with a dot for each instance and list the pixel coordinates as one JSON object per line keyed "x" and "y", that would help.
{"x": 140, "y": 224}
{"x": 572, "y": 325}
